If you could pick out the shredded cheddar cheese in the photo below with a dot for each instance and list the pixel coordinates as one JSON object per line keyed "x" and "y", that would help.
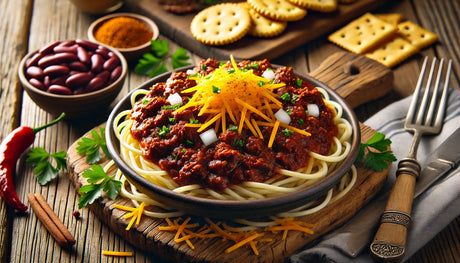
{"x": 239, "y": 94}
{"x": 135, "y": 214}
{"x": 117, "y": 253}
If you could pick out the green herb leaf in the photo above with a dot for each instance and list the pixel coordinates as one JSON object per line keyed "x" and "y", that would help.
{"x": 44, "y": 169}
{"x": 91, "y": 147}
{"x": 179, "y": 58}
{"x": 215, "y": 89}
{"x": 99, "y": 181}
{"x": 380, "y": 160}
{"x": 153, "y": 64}
{"x": 286, "y": 97}
{"x": 287, "y": 132}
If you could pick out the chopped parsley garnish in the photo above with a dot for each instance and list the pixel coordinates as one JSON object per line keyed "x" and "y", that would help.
{"x": 286, "y": 97}
{"x": 295, "y": 97}
{"x": 44, "y": 169}
{"x": 203, "y": 67}
{"x": 301, "y": 121}
{"x": 289, "y": 111}
{"x": 261, "y": 83}
{"x": 231, "y": 71}
{"x": 287, "y": 132}
{"x": 239, "y": 143}
{"x": 188, "y": 142}
{"x": 163, "y": 131}
{"x": 98, "y": 181}
{"x": 172, "y": 119}
{"x": 232, "y": 127}
{"x": 215, "y": 89}
{"x": 192, "y": 120}
{"x": 376, "y": 160}
{"x": 145, "y": 101}
{"x": 298, "y": 82}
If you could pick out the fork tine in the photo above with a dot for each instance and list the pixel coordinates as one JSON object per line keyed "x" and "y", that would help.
{"x": 434, "y": 98}
{"x": 443, "y": 103}
{"x": 413, "y": 104}
{"x": 421, "y": 113}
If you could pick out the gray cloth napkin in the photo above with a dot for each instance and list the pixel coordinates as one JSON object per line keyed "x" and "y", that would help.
{"x": 431, "y": 211}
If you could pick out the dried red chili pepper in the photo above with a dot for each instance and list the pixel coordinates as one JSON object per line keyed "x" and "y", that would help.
{"x": 11, "y": 149}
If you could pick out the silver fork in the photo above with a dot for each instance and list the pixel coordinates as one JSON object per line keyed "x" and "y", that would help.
{"x": 425, "y": 116}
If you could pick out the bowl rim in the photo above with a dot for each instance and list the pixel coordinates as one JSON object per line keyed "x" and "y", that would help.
{"x": 234, "y": 208}
{"x": 31, "y": 88}
{"x": 150, "y": 23}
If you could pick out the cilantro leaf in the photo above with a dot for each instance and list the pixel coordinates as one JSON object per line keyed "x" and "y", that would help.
{"x": 154, "y": 63}
{"x": 99, "y": 182}
{"x": 375, "y": 153}
{"x": 92, "y": 147}
{"x": 44, "y": 169}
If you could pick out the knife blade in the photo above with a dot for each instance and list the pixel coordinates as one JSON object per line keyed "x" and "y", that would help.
{"x": 358, "y": 232}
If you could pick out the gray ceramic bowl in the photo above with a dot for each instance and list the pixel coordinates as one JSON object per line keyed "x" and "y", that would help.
{"x": 234, "y": 209}
{"x": 129, "y": 53}
{"x": 75, "y": 106}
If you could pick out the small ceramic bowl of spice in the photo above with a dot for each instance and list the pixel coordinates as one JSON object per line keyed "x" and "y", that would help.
{"x": 127, "y": 32}
{"x": 78, "y": 77}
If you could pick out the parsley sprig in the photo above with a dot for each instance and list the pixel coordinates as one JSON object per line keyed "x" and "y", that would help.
{"x": 42, "y": 160}
{"x": 91, "y": 146}
{"x": 376, "y": 160}
{"x": 98, "y": 181}
{"x": 154, "y": 63}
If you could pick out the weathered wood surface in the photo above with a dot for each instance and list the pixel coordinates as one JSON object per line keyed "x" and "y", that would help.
{"x": 27, "y": 25}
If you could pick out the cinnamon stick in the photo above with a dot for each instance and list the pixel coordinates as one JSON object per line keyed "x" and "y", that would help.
{"x": 50, "y": 220}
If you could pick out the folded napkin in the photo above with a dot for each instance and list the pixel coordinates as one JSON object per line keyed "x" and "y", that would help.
{"x": 431, "y": 211}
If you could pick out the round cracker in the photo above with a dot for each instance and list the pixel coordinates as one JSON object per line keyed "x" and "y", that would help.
{"x": 316, "y": 5}
{"x": 265, "y": 27}
{"x": 281, "y": 10}
{"x": 221, "y": 24}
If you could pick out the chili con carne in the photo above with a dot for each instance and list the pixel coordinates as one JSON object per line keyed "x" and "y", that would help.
{"x": 11, "y": 149}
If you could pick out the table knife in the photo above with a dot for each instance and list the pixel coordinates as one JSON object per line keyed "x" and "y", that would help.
{"x": 359, "y": 231}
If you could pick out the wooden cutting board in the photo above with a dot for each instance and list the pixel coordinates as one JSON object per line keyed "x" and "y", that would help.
{"x": 315, "y": 24}
{"x": 368, "y": 80}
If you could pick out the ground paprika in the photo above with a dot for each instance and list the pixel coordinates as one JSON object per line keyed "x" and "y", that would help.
{"x": 123, "y": 32}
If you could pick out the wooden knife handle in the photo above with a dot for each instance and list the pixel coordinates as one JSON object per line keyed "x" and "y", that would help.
{"x": 390, "y": 240}
{"x": 356, "y": 78}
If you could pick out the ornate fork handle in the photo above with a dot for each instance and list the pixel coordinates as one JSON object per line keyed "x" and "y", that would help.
{"x": 390, "y": 241}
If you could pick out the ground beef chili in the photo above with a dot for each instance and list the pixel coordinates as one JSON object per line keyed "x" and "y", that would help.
{"x": 235, "y": 158}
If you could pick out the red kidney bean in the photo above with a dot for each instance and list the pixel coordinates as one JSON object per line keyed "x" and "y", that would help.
{"x": 33, "y": 61}
{"x": 59, "y": 89}
{"x": 111, "y": 63}
{"x": 104, "y": 52}
{"x": 87, "y": 45}
{"x": 62, "y": 49}
{"x": 78, "y": 79}
{"x": 95, "y": 84}
{"x": 48, "y": 49}
{"x": 56, "y": 59}
{"x": 35, "y": 72}
{"x": 37, "y": 83}
{"x": 78, "y": 66}
{"x": 96, "y": 63}
{"x": 58, "y": 80}
{"x": 56, "y": 70}
{"x": 116, "y": 73}
{"x": 73, "y": 67}
{"x": 47, "y": 81}
{"x": 83, "y": 55}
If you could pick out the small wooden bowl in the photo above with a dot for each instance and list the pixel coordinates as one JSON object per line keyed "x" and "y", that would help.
{"x": 75, "y": 106}
{"x": 129, "y": 53}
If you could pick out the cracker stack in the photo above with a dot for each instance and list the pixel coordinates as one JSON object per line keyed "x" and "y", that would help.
{"x": 383, "y": 38}
{"x": 228, "y": 22}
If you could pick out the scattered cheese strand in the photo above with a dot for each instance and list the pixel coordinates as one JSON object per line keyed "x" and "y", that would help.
{"x": 117, "y": 253}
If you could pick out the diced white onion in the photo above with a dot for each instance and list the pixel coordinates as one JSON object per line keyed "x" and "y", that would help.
{"x": 282, "y": 116}
{"x": 175, "y": 99}
{"x": 313, "y": 110}
{"x": 208, "y": 137}
{"x": 190, "y": 71}
{"x": 269, "y": 74}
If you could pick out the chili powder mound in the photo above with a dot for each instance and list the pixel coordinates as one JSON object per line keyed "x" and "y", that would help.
{"x": 123, "y": 32}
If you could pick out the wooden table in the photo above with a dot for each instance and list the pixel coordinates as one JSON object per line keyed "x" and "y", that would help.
{"x": 27, "y": 25}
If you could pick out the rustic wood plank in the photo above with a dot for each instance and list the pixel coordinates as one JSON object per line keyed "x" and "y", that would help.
{"x": 14, "y": 20}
